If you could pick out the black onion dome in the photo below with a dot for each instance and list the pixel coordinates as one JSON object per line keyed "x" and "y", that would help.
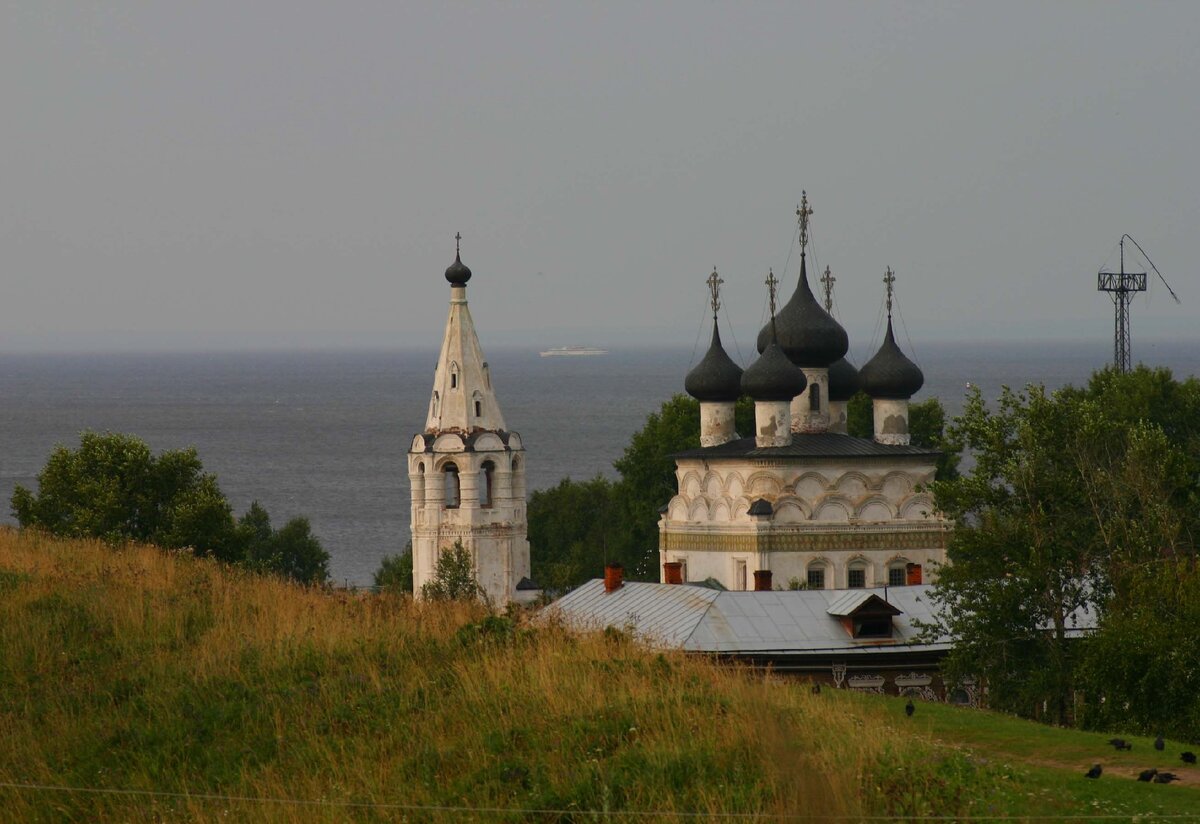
{"x": 716, "y": 377}
{"x": 773, "y": 377}
{"x": 843, "y": 380}
{"x": 807, "y": 333}
{"x": 890, "y": 375}
{"x": 458, "y": 274}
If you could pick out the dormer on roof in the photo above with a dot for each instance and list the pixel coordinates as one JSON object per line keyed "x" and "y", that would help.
{"x": 864, "y": 614}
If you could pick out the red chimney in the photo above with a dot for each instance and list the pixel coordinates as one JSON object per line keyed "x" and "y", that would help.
{"x": 762, "y": 580}
{"x": 673, "y": 572}
{"x": 614, "y": 574}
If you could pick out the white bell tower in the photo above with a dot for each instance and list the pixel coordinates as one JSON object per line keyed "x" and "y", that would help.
{"x": 466, "y": 470}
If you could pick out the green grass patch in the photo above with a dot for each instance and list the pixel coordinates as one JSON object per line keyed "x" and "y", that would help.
{"x": 139, "y": 670}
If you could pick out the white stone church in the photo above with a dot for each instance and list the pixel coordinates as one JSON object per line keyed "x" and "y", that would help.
{"x": 799, "y": 501}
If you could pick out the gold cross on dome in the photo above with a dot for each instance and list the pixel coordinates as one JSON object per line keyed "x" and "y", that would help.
{"x": 889, "y": 278}
{"x": 827, "y": 280}
{"x": 772, "y": 282}
{"x": 714, "y": 287}
{"x": 802, "y": 213}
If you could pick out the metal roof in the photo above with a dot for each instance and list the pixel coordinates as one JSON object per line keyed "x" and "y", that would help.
{"x": 697, "y": 619}
{"x": 663, "y": 614}
{"x": 810, "y": 445}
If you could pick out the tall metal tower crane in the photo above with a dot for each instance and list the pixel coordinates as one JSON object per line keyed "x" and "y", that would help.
{"x": 1122, "y": 286}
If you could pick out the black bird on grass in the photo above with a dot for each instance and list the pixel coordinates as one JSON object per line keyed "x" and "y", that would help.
{"x": 1147, "y": 775}
{"x": 1165, "y": 778}
{"x": 1094, "y": 772}
{"x": 1188, "y": 757}
{"x": 816, "y": 689}
{"x": 1159, "y": 744}
{"x": 1117, "y": 742}
{"x": 909, "y": 709}
{"x": 1124, "y": 745}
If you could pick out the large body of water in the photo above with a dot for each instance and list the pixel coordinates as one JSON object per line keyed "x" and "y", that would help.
{"x": 324, "y": 434}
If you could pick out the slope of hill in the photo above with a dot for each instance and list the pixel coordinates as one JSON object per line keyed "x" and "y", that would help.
{"x": 138, "y": 685}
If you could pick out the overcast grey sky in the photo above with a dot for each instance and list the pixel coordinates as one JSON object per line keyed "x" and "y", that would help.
{"x": 233, "y": 174}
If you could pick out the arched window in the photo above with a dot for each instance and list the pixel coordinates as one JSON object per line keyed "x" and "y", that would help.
{"x": 418, "y": 483}
{"x": 516, "y": 464}
{"x": 856, "y": 575}
{"x": 485, "y": 483}
{"x": 478, "y": 398}
{"x": 453, "y": 375}
{"x": 816, "y": 575}
{"x": 897, "y": 573}
{"x": 450, "y": 470}
{"x": 436, "y": 400}
{"x": 814, "y": 397}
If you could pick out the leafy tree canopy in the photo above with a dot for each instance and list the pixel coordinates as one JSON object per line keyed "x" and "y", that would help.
{"x": 395, "y": 572}
{"x": 453, "y": 577}
{"x": 112, "y": 487}
{"x": 1067, "y": 496}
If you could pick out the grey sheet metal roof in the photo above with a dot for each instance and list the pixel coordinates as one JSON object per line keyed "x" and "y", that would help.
{"x": 663, "y": 614}
{"x": 810, "y": 445}
{"x": 696, "y": 619}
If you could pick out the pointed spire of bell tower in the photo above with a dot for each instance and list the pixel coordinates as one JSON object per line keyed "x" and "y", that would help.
{"x": 463, "y": 400}
{"x": 466, "y": 470}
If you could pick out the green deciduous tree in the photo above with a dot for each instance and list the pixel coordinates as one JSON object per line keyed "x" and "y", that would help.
{"x": 1141, "y": 670}
{"x": 293, "y": 552}
{"x": 453, "y": 577}
{"x": 395, "y": 573}
{"x": 575, "y": 528}
{"x": 114, "y": 488}
{"x": 1063, "y": 498}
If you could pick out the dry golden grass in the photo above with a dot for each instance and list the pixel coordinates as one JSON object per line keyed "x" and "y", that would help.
{"x": 138, "y": 669}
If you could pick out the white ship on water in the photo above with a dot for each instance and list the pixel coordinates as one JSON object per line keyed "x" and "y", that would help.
{"x": 573, "y": 352}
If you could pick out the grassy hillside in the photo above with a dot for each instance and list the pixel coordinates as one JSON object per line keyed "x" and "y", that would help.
{"x": 214, "y": 694}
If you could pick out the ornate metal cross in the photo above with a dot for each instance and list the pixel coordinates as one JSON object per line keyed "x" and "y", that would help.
{"x": 714, "y": 287}
{"x": 772, "y": 282}
{"x": 457, "y": 241}
{"x": 827, "y": 280}
{"x": 889, "y": 278}
{"x": 802, "y": 213}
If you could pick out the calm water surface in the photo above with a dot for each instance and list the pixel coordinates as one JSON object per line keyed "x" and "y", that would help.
{"x": 324, "y": 434}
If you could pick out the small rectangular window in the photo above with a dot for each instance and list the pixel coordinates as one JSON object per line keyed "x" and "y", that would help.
{"x": 740, "y": 575}
{"x": 816, "y": 578}
{"x": 814, "y": 397}
{"x": 856, "y": 578}
{"x": 453, "y": 380}
{"x": 896, "y": 577}
{"x": 873, "y": 628}
{"x": 478, "y": 409}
